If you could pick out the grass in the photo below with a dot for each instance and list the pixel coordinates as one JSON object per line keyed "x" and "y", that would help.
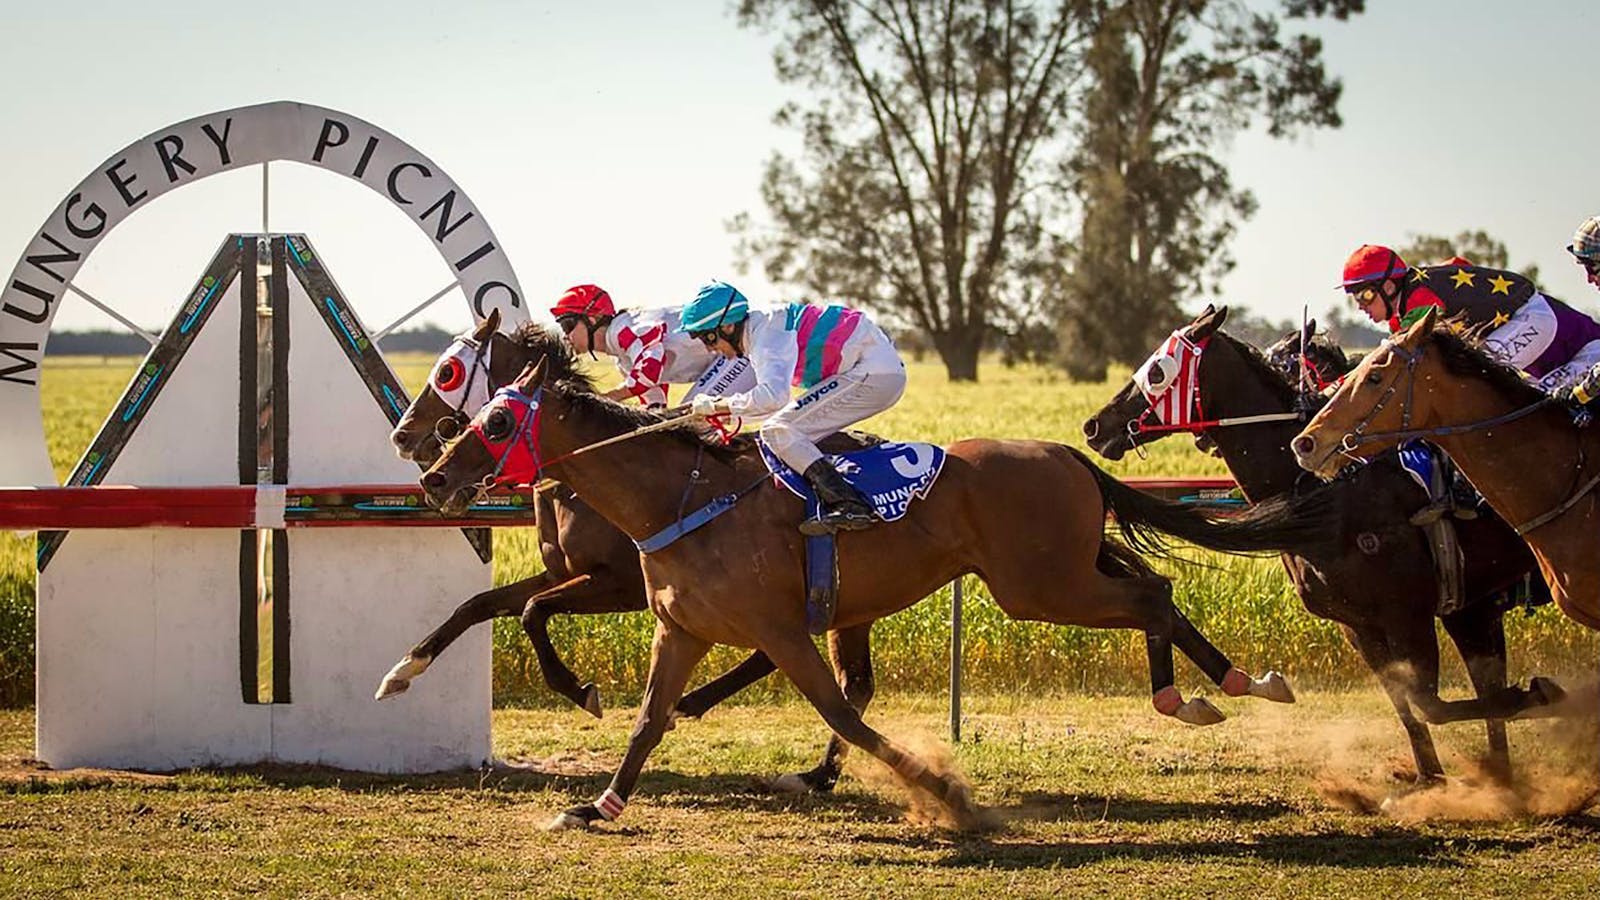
{"x": 1244, "y": 605}
{"x": 1095, "y": 795}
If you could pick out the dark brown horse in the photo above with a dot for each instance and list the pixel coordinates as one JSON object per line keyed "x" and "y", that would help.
{"x": 1371, "y": 572}
{"x": 1522, "y": 451}
{"x": 1025, "y": 516}
{"x": 591, "y": 568}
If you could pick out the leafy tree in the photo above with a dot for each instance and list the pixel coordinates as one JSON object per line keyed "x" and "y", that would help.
{"x": 933, "y": 128}
{"x": 1476, "y": 246}
{"x": 1173, "y": 80}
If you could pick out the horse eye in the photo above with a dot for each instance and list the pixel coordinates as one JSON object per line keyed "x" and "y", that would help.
{"x": 1156, "y": 376}
{"x": 498, "y": 426}
{"x": 1374, "y": 378}
{"x": 449, "y": 375}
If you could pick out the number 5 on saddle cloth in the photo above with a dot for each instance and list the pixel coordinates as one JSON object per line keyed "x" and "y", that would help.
{"x": 889, "y": 475}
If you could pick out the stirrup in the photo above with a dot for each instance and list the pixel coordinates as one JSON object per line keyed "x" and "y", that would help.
{"x": 832, "y": 521}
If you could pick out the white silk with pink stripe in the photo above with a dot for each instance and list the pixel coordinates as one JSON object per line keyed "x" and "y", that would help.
{"x": 1170, "y": 380}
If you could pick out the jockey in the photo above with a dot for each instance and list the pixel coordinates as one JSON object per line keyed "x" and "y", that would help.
{"x": 1540, "y": 335}
{"x": 846, "y": 365}
{"x": 650, "y": 350}
{"x": 1585, "y": 248}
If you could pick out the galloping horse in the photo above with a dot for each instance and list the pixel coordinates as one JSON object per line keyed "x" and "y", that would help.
{"x": 1371, "y": 571}
{"x": 1517, "y": 446}
{"x": 590, "y": 566}
{"x": 1025, "y": 516}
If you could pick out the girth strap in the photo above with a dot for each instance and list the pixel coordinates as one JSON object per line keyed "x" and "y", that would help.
{"x": 697, "y": 519}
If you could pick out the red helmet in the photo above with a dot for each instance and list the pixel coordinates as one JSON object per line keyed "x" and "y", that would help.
{"x": 587, "y": 300}
{"x": 1371, "y": 262}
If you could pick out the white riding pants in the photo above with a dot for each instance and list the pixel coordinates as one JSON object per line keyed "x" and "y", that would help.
{"x": 833, "y": 405}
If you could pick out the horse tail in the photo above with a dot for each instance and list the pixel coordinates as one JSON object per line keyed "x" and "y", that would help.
{"x": 1276, "y": 525}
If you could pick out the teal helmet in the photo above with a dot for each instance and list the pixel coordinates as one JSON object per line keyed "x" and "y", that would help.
{"x": 718, "y": 303}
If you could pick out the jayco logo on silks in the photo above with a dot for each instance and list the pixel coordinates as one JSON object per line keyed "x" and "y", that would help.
{"x": 816, "y": 393}
{"x": 891, "y": 475}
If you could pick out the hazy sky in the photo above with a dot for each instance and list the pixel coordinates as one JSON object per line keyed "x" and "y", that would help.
{"x": 611, "y": 141}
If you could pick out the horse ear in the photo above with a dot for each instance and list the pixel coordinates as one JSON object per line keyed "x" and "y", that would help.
{"x": 1308, "y": 332}
{"x": 489, "y": 325}
{"x": 532, "y": 375}
{"x": 1208, "y": 322}
{"x": 1419, "y": 330}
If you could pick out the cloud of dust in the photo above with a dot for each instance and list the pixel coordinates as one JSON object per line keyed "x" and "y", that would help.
{"x": 960, "y": 813}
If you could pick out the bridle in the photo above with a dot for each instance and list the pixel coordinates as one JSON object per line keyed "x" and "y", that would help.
{"x": 449, "y": 426}
{"x": 1189, "y": 417}
{"x": 1355, "y": 438}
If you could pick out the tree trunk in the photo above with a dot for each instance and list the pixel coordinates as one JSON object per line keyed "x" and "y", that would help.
{"x": 959, "y": 352}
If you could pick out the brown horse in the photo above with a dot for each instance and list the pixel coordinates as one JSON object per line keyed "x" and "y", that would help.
{"x": 1025, "y": 516}
{"x": 590, "y": 567}
{"x": 1370, "y": 570}
{"x": 1519, "y": 449}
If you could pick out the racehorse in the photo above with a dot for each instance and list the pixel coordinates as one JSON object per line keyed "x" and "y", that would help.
{"x": 1025, "y": 516}
{"x": 1518, "y": 446}
{"x": 1372, "y": 571}
{"x": 590, "y": 567}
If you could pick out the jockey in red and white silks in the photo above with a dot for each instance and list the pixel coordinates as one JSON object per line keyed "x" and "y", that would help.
{"x": 650, "y": 351}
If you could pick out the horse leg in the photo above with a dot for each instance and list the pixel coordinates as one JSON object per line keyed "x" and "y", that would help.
{"x": 851, "y": 651}
{"x": 1234, "y": 681}
{"x": 592, "y": 593}
{"x": 695, "y": 703}
{"x": 1479, "y": 634}
{"x": 502, "y": 601}
{"x": 673, "y": 656}
{"x": 798, "y": 658}
{"x": 1374, "y": 648}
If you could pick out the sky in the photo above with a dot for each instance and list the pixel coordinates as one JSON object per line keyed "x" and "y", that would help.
{"x": 611, "y": 142}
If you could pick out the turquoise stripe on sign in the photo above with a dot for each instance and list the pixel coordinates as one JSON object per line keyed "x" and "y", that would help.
{"x": 814, "y": 347}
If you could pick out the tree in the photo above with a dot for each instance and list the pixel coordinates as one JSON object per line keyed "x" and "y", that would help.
{"x": 1172, "y": 80}
{"x": 933, "y": 128}
{"x": 1477, "y": 246}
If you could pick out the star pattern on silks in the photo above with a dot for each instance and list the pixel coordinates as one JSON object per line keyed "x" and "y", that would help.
{"x": 1462, "y": 278}
{"x": 1419, "y": 274}
{"x": 1500, "y": 285}
{"x": 1500, "y": 318}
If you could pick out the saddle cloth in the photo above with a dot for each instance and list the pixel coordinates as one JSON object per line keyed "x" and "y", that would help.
{"x": 889, "y": 475}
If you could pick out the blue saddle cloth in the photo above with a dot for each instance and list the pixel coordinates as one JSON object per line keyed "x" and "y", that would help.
{"x": 889, "y": 475}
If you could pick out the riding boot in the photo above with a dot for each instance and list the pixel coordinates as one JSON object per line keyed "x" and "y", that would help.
{"x": 843, "y": 507}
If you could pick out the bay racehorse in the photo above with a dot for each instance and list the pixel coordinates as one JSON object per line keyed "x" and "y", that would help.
{"x": 590, "y": 567}
{"x": 1371, "y": 571}
{"x": 1518, "y": 447}
{"x": 1025, "y": 516}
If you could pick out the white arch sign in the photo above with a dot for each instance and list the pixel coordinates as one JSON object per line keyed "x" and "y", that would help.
{"x": 191, "y": 150}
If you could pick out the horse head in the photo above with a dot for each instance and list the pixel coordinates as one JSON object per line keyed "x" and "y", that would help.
{"x": 1375, "y": 402}
{"x": 500, "y": 445}
{"x": 466, "y": 375}
{"x": 1115, "y": 429}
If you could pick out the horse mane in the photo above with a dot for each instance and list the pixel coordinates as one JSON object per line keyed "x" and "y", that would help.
{"x": 562, "y": 361}
{"x": 1466, "y": 356}
{"x": 1264, "y": 371}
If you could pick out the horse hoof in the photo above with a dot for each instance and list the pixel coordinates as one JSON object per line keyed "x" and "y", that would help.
{"x": 567, "y": 822}
{"x": 1547, "y": 690}
{"x": 399, "y": 677}
{"x": 789, "y": 784}
{"x": 1273, "y": 687}
{"x": 1199, "y": 711}
{"x": 591, "y": 699}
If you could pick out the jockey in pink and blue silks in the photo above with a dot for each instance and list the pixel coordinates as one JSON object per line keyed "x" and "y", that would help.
{"x": 845, "y": 365}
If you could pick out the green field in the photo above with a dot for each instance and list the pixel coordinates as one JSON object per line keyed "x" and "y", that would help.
{"x": 1091, "y": 792}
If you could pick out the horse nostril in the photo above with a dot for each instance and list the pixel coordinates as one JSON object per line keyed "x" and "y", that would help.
{"x": 433, "y": 481}
{"x": 1091, "y": 427}
{"x": 1303, "y": 445}
{"x": 400, "y": 437}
